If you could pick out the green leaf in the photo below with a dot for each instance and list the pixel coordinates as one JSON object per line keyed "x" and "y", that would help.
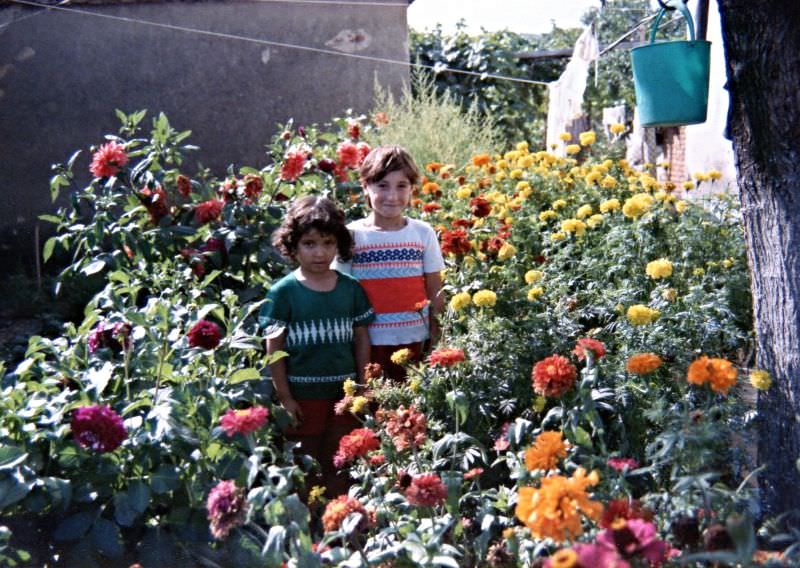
{"x": 106, "y": 538}
{"x": 123, "y": 512}
{"x": 74, "y": 527}
{"x": 139, "y": 496}
{"x": 242, "y": 375}
{"x": 164, "y": 480}
{"x": 55, "y": 219}
{"x": 94, "y": 267}
{"x": 582, "y": 437}
{"x": 11, "y": 457}
{"x": 12, "y": 489}
{"x": 49, "y": 246}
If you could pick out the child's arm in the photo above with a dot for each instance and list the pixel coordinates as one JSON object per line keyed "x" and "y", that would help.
{"x": 363, "y": 350}
{"x": 279, "y": 379}
{"x": 433, "y": 288}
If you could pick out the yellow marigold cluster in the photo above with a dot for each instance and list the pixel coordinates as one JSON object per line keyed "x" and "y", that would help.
{"x": 533, "y": 276}
{"x": 640, "y": 314}
{"x": 609, "y": 182}
{"x": 637, "y": 205}
{"x": 587, "y": 138}
{"x": 555, "y": 510}
{"x": 617, "y": 128}
{"x": 460, "y": 301}
{"x": 610, "y": 205}
{"x": 484, "y": 298}
{"x": 594, "y": 221}
{"x": 720, "y": 373}
{"x": 546, "y": 451}
{"x": 547, "y": 215}
{"x": 349, "y": 387}
{"x": 506, "y": 251}
{"x": 572, "y": 149}
{"x": 565, "y": 136}
{"x": 681, "y": 206}
{"x": 401, "y": 356}
{"x": 661, "y": 268}
{"x": 583, "y": 212}
{"x": 559, "y": 204}
{"x": 534, "y": 293}
{"x": 760, "y": 379}
{"x": 578, "y": 228}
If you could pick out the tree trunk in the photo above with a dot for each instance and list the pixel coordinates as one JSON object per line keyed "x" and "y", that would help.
{"x": 762, "y": 49}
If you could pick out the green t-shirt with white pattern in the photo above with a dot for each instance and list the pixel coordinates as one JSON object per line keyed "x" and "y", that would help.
{"x": 319, "y": 333}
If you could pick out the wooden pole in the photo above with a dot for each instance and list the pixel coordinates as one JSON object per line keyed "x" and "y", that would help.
{"x": 701, "y": 17}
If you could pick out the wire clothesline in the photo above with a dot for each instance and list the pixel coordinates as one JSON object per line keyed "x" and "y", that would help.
{"x": 438, "y": 68}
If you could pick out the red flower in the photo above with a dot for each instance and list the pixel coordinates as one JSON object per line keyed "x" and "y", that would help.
{"x": 431, "y": 207}
{"x": 455, "y": 242}
{"x": 184, "y": 185}
{"x": 326, "y": 165}
{"x": 226, "y": 508}
{"x": 446, "y": 357}
{"x": 407, "y": 427}
{"x": 493, "y": 245}
{"x": 348, "y": 155}
{"x": 585, "y": 344}
{"x": 621, "y": 464}
{"x": 243, "y": 421}
{"x": 155, "y": 201}
{"x": 227, "y": 190}
{"x": 623, "y": 509}
{"x": 357, "y": 443}
{"x": 462, "y": 223}
{"x": 480, "y": 207}
{"x": 363, "y": 149}
{"x": 377, "y": 460}
{"x": 353, "y": 129}
{"x": 426, "y": 490}
{"x": 293, "y": 164}
{"x": 473, "y": 473}
{"x": 553, "y": 376}
{"x": 115, "y": 337}
{"x": 339, "y": 509}
{"x": 205, "y": 334}
{"x": 208, "y": 211}
{"x": 213, "y": 245}
{"x": 98, "y": 428}
{"x": 253, "y": 185}
{"x": 108, "y": 160}
{"x": 372, "y": 371}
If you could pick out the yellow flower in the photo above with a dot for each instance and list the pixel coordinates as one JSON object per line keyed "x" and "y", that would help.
{"x": 484, "y": 298}
{"x": 547, "y": 215}
{"x": 687, "y": 185}
{"x": 727, "y": 263}
{"x": 681, "y": 206}
{"x": 700, "y": 176}
{"x": 670, "y": 294}
{"x": 640, "y": 314}
{"x": 463, "y": 192}
{"x": 502, "y": 164}
{"x": 522, "y": 146}
{"x": 760, "y": 379}
{"x": 574, "y": 226}
{"x": 506, "y": 251}
{"x": 572, "y": 149}
{"x": 349, "y": 387}
{"x": 587, "y": 138}
{"x": 523, "y": 185}
{"x": 584, "y": 211}
{"x": 359, "y": 404}
{"x": 516, "y": 174}
{"x": 469, "y": 261}
{"x": 714, "y": 174}
{"x": 661, "y": 268}
{"x": 559, "y": 236}
{"x": 534, "y": 293}
{"x": 617, "y": 128}
{"x": 316, "y": 494}
{"x": 559, "y": 204}
{"x": 533, "y": 276}
{"x": 699, "y": 271}
{"x": 595, "y": 220}
{"x": 500, "y": 176}
{"x": 414, "y": 384}
{"x": 401, "y": 356}
{"x": 610, "y": 205}
{"x": 460, "y": 301}
{"x": 592, "y": 177}
{"x": 609, "y": 182}
{"x": 637, "y": 205}
{"x": 565, "y": 136}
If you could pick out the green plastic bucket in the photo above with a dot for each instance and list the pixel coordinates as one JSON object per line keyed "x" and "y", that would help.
{"x": 671, "y": 77}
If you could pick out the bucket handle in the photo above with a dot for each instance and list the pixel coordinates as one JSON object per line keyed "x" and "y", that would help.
{"x": 681, "y": 6}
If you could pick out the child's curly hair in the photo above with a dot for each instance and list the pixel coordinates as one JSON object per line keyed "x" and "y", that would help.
{"x": 313, "y": 212}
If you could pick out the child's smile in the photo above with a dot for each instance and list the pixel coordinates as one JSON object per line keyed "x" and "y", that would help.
{"x": 389, "y": 196}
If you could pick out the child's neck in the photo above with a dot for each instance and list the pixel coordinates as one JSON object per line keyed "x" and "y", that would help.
{"x": 319, "y": 282}
{"x": 386, "y": 223}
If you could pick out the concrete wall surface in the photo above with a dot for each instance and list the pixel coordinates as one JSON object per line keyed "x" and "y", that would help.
{"x": 62, "y": 74}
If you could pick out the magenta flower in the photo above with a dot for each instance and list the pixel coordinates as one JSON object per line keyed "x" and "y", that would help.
{"x": 243, "y": 421}
{"x": 108, "y": 160}
{"x": 426, "y": 490}
{"x": 226, "y": 508}
{"x": 622, "y": 464}
{"x": 98, "y": 428}
{"x": 637, "y": 539}
{"x": 115, "y": 337}
{"x": 205, "y": 334}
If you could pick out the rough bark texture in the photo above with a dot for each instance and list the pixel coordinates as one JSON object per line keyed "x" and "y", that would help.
{"x": 762, "y": 49}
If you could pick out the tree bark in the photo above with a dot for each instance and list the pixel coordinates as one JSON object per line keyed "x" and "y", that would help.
{"x": 762, "y": 49}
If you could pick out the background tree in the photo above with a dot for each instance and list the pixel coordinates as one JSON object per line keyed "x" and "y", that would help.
{"x": 762, "y": 47}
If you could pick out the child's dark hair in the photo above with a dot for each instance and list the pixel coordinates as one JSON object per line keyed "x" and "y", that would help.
{"x": 313, "y": 212}
{"x": 383, "y": 160}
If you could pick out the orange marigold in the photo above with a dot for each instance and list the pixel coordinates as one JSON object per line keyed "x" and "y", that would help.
{"x": 481, "y": 159}
{"x": 719, "y": 372}
{"x": 545, "y": 452}
{"x": 339, "y": 509}
{"x": 553, "y": 376}
{"x": 446, "y": 357}
{"x": 643, "y": 363}
{"x": 555, "y": 509}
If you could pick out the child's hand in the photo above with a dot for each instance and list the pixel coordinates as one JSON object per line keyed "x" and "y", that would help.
{"x": 293, "y": 409}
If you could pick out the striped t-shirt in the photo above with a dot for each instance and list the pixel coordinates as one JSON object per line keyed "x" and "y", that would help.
{"x": 391, "y": 266}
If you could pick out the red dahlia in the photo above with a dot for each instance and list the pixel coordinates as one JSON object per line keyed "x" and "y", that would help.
{"x": 553, "y": 376}
{"x": 108, "y": 160}
{"x": 293, "y": 164}
{"x": 98, "y": 428}
{"x": 426, "y": 490}
{"x": 208, "y": 211}
{"x": 348, "y": 155}
{"x": 455, "y": 242}
{"x": 243, "y": 421}
{"x": 205, "y": 334}
{"x": 253, "y": 185}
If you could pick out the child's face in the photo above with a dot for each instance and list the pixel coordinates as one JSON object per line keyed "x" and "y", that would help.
{"x": 390, "y": 195}
{"x": 315, "y": 251}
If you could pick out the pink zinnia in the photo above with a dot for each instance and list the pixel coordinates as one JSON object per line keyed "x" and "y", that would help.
{"x": 622, "y": 464}
{"x": 357, "y": 443}
{"x": 243, "y": 421}
{"x": 588, "y": 344}
{"x": 407, "y": 427}
{"x": 205, "y": 334}
{"x": 226, "y": 508}
{"x": 553, "y": 376}
{"x": 98, "y": 428}
{"x": 637, "y": 539}
{"x": 208, "y": 211}
{"x": 348, "y": 155}
{"x": 426, "y": 490}
{"x": 108, "y": 160}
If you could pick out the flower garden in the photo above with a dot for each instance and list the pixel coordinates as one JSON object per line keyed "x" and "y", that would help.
{"x": 587, "y": 405}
